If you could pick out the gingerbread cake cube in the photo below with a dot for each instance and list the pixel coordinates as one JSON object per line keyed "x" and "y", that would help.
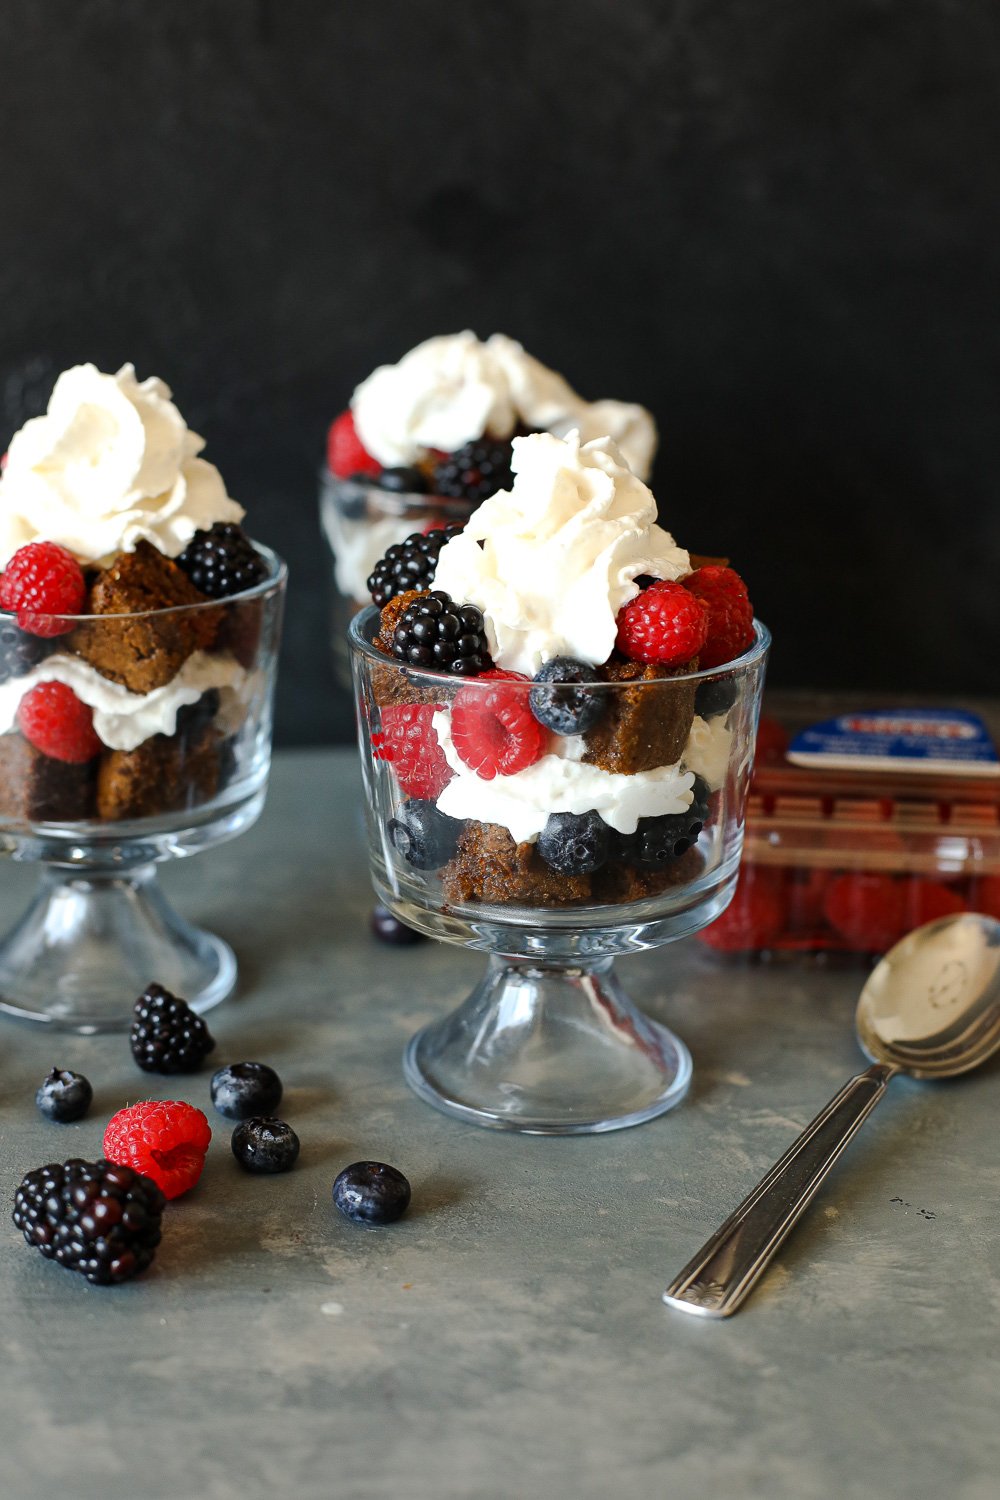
{"x": 644, "y": 727}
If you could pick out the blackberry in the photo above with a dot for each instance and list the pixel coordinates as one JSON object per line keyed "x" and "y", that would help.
{"x": 370, "y": 1192}
{"x": 575, "y": 843}
{"x": 93, "y": 1217}
{"x": 403, "y": 481}
{"x": 716, "y": 695}
{"x": 562, "y": 702}
{"x": 64, "y": 1096}
{"x": 166, "y": 1035}
{"x": 245, "y": 1089}
{"x": 658, "y": 841}
{"x": 425, "y": 837}
{"x": 475, "y": 472}
{"x": 439, "y": 634}
{"x": 19, "y": 651}
{"x": 222, "y": 561}
{"x": 408, "y": 565}
{"x": 264, "y": 1145}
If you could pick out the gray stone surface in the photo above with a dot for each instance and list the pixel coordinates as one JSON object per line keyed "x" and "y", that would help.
{"x": 506, "y": 1338}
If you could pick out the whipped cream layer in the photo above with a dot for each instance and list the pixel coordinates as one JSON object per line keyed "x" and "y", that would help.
{"x": 552, "y": 561}
{"x": 124, "y": 720}
{"x": 451, "y": 390}
{"x": 708, "y": 749}
{"x": 111, "y": 463}
{"x": 358, "y": 545}
{"x": 558, "y": 782}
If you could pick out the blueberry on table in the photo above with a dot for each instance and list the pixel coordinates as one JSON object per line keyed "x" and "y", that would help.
{"x": 370, "y": 1192}
{"x": 64, "y": 1096}
{"x": 575, "y": 843}
{"x": 265, "y": 1145}
{"x": 425, "y": 837}
{"x": 387, "y": 928}
{"x": 245, "y": 1089}
{"x": 562, "y": 701}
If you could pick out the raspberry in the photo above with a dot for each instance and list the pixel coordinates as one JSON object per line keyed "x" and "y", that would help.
{"x": 665, "y": 623}
{"x": 345, "y": 453}
{"x": 867, "y": 911}
{"x": 494, "y": 731}
{"x": 43, "y": 577}
{"x": 409, "y": 742}
{"x": 755, "y": 916}
{"x": 164, "y": 1139}
{"x": 730, "y": 613}
{"x": 52, "y": 718}
{"x": 926, "y": 900}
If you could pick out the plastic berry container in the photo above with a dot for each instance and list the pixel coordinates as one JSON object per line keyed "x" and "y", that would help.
{"x": 862, "y": 823}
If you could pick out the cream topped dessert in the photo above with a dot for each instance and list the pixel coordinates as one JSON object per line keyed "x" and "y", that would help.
{"x": 122, "y": 674}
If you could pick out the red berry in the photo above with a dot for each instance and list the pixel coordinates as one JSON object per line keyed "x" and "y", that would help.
{"x": 52, "y": 718}
{"x": 755, "y": 917}
{"x": 345, "y": 453}
{"x": 408, "y": 740}
{"x": 730, "y": 614}
{"x": 987, "y": 896}
{"x": 665, "y": 624}
{"x": 41, "y": 580}
{"x": 164, "y": 1139}
{"x": 494, "y": 730}
{"x": 867, "y": 911}
{"x": 926, "y": 900}
{"x": 772, "y": 742}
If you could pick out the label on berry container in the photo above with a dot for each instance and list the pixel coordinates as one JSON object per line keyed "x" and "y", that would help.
{"x": 936, "y": 740}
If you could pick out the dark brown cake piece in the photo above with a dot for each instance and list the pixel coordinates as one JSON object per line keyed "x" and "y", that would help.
{"x": 38, "y": 789}
{"x": 490, "y": 867}
{"x": 391, "y": 684}
{"x": 644, "y": 727}
{"x": 144, "y": 652}
{"x": 164, "y": 774}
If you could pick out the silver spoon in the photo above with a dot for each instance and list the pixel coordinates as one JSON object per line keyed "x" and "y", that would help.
{"x": 930, "y": 1008}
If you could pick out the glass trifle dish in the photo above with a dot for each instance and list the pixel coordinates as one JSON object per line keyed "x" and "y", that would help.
{"x": 428, "y": 439}
{"x": 139, "y": 629}
{"x": 557, "y": 729}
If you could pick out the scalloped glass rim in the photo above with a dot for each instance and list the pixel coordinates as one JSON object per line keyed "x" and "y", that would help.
{"x": 365, "y": 618}
{"x": 277, "y": 576}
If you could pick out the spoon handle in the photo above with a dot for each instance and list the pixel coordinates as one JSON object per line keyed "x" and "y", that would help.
{"x": 728, "y": 1266}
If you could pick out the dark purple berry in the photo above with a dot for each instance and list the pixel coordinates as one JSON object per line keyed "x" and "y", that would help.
{"x": 369, "y": 1192}
{"x": 64, "y": 1096}
{"x": 245, "y": 1089}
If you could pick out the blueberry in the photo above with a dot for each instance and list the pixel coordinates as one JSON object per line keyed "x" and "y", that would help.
{"x": 64, "y": 1096}
{"x": 245, "y": 1089}
{"x": 562, "y": 703}
{"x": 403, "y": 481}
{"x": 425, "y": 837}
{"x": 715, "y": 696}
{"x": 388, "y": 929}
{"x": 369, "y": 1192}
{"x": 265, "y": 1145}
{"x": 575, "y": 843}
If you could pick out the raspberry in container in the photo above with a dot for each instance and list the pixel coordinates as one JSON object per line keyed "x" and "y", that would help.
{"x": 863, "y": 822}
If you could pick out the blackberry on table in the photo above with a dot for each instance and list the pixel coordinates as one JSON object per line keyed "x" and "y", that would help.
{"x": 561, "y": 701}
{"x": 475, "y": 472}
{"x": 222, "y": 561}
{"x": 93, "y": 1217}
{"x": 575, "y": 843}
{"x": 166, "y": 1035}
{"x": 436, "y": 633}
{"x": 425, "y": 837}
{"x": 410, "y": 564}
{"x": 19, "y": 651}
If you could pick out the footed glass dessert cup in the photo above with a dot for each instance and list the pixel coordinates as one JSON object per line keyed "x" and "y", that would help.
{"x": 598, "y": 843}
{"x": 127, "y": 739}
{"x": 361, "y": 520}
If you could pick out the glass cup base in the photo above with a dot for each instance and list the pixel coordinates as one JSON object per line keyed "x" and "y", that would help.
{"x": 548, "y": 1050}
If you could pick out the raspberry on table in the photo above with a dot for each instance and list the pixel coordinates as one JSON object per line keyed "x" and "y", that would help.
{"x": 665, "y": 624}
{"x": 494, "y": 731}
{"x": 52, "y": 718}
{"x": 755, "y": 917}
{"x": 475, "y": 472}
{"x": 98, "y": 1218}
{"x": 164, "y": 1139}
{"x": 222, "y": 561}
{"x": 439, "y": 635}
{"x": 166, "y": 1035}
{"x": 346, "y": 455}
{"x": 730, "y": 613}
{"x": 410, "y": 564}
{"x": 409, "y": 742}
{"x": 867, "y": 910}
{"x": 42, "y": 580}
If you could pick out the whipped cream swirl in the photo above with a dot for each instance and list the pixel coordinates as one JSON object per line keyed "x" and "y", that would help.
{"x": 552, "y": 561}
{"x": 453, "y": 389}
{"x": 111, "y": 463}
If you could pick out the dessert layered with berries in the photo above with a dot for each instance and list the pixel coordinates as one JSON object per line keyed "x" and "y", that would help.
{"x": 426, "y": 440}
{"x": 558, "y": 700}
{"x": 138, "y": 616}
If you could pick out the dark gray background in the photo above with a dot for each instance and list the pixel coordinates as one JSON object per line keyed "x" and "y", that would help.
{"x": 776, "y": 223}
